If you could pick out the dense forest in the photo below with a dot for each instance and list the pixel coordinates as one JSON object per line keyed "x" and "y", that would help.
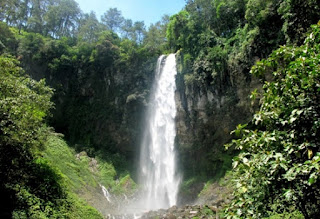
{"x": 74, "y": 89}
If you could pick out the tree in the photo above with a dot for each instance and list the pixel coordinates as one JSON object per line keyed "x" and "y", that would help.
{"x": 63, "y": 19}
{"x": 139, "y": 31}
{"x": 89, "y": 28}
{"x": 38, "y": 9}
{"x": 229, "y": 16}
{"x": 182, "y": 33}
{"x": 202, "y": 11}
{"x": 298, "y": 15}
{"x": 8, "y": 11}
{"x": 8, "y": 42}
{"x": 156, "y": 35}
{"x": 106, "y": 51}
{"x": 112, "y": 19}
{"x": 127, "y": 28}
{"x": 279, "y": 165}
{"x": 134, "y": 31}
{"x": 24, "y": 104}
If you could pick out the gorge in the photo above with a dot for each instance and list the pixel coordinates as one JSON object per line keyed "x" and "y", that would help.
{"x": 84, "y": 116}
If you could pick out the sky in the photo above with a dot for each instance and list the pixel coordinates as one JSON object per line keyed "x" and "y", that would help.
{"x": 149, "y": 11}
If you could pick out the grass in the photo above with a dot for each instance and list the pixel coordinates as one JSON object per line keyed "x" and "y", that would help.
{"x": 76, "y": 172}
{"x": 285, "y": 215}
{"x": 82, "y": 177}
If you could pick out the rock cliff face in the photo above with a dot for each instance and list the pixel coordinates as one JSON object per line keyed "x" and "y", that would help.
{"x": 104, "y": 108}
{"x": 99, "y": 101}
{"x": 206, "y": 114}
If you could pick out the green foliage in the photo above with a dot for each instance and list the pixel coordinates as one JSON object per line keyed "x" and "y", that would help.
{"x": 89, "y": 28}
{"x": 80, "y": 171}
{"x": 279, "y": 164}
{"x": 103, "y": 81}
{"x": 207, "y": 211}
{"x": 107, "y": 174}
{"x": 190, "y": 79}
{"x": 218, "y": 42}
{"x": 31, "y": 186}
{"x": 24, "y": 104}
{"x": 112, "y": 19}
{"x": 95, "y": 72}
{"x": 30, "y": 45}
{"x": 106, "y": 52}
{"x": 90, "y": 75}
{"x": 56, "y": 17}
{"x": 190, "y": 187}
{"x": 298, "y": 16}
{"x": 187, "y": 183}
{"x": 226, "y": 36}
{"x": 127, "y": 185}
{"x": 258, "y": 11}
{"x": 184, "y": 33}
{"x": 62, "y": 18}
{"x": 155, "y": 39}
{"x": 80, "y": 209}
{"x": 71, "y": 208}
{"x": 294, "y": 214}
{"x": 8, "y": 43}
{"x": 76, "y": 173}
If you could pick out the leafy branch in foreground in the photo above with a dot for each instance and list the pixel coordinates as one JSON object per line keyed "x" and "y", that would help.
{"x": 278, "y": 168}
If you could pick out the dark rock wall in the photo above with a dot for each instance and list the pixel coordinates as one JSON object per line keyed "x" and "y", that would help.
{"x": 206, "y": 114}
{"x": 99, "y": 105}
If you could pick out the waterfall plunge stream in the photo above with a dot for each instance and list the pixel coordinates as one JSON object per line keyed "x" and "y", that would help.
{"x": 157, "y": 156}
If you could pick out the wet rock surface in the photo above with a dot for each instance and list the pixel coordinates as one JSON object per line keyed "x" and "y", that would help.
{"x": 187, "y": 211}
{"x": 179, "y": 212}
{"x": 209, "y": 204}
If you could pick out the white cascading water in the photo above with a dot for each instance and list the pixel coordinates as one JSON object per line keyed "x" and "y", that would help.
{"x": 157, "y": 156}
{"x": 106, "y": 193}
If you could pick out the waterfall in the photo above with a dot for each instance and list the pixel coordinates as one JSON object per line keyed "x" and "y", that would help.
{"x": 106, "y": 193}
{"x": 157, "y": 156}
